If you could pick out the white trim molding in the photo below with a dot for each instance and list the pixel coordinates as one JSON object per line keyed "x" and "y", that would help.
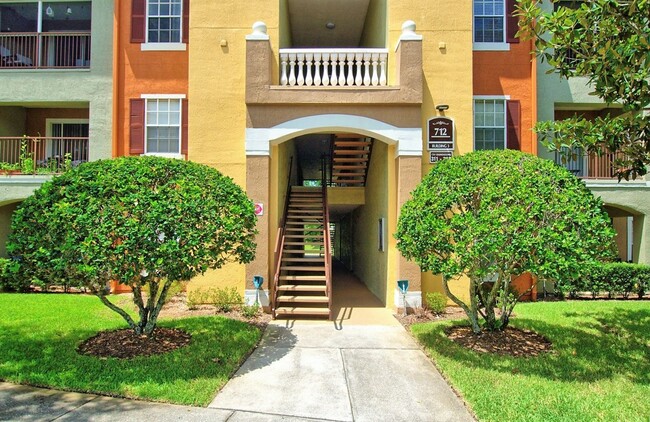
{"x": 413, "y": 299}
{"x": 163, "y": 96}
{"x": 163, "y": 46}
{"x": 251, "y": 294}
{"x": 407, "y": 140}
{"x": 491, "y": 46}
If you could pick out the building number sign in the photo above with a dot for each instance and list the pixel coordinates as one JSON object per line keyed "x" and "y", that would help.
{"x": 440, "y": 140}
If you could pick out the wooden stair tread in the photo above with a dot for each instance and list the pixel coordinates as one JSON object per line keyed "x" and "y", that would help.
{"x": 348, "y": 167}
{"x": 321, "y": 259}
{"x": 302, "y": 277}
{"x": 310, "y": 299}
{"x": 304, "y": 236}
{"x": 350, "y": 152}
{"x": 302, "y": 268}
{"x": 302, "y": 288}
{"x": 303, "y": 243}
{"x": 348, "y": 181}
{"x": 350, "y": 160}
{"x": 339, "y": 174}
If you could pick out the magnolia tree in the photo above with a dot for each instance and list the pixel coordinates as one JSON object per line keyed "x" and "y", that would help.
{"x": 608, "y": 43}
{"x": 494, "y": 215}
{"x": 146, "y": 222}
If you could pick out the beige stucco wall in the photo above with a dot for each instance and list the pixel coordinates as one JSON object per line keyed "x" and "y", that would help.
{"x": 370, "y": 264}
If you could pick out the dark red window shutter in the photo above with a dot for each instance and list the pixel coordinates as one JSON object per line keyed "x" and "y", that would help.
{"x": 512, "y": 22}
{"x": 514, "y": 124}
{"x": 186, "y": 21}
{"x": 136, "y": 127}
{"x": 138, "y": 21}
{"x": 184, "y": 131}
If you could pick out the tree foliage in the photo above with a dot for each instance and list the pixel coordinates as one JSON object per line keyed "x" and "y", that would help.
{"x": 608, "y": 42}
{"x": 144, "y": 221}
{"x": 494, "y": 215}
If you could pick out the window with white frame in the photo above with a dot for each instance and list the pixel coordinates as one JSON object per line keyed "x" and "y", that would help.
{"x": 489, "y": 124}
{"x": 163, "y": 126}
{"x": 489, "y": 21}
{"x": 164, "y": 21}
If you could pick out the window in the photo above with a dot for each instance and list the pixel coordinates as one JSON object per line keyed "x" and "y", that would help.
{"x": 489, "y": 124}
{"x": 489, "y": 21}
{"x": 164, "y": 19}
{"x": 163, "y": 126}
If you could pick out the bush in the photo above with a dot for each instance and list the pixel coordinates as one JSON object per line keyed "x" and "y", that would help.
{"x": 436, "y": 302}
{"x": 225, "y": 299}
{"x": 616, "y": 278}
{"x": 501, "y": 213}
{"x": 143, "y": 221}
{"x": 250, "y": 311}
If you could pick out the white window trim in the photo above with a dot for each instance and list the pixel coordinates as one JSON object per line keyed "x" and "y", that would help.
{"x": 50, "y": 122}
{"x": 491, "y": 46}
{"x": 181, "y": 97}
{"x": 503, "y": 98}
{"x": 162, "y": 46}
{"x": 163, "y": 96}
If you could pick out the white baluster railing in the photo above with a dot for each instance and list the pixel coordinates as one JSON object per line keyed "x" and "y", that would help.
{"x": 333, "y": 67}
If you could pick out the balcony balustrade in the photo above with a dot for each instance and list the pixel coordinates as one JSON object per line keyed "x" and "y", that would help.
{"x": 588, "y": 166}
{"x": 41, "y": 154}
{"x": 45, "y": 50}
{"x": 352, "y": 67}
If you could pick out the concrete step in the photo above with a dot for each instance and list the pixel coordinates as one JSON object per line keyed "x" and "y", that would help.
{"x": 285, "y": 310}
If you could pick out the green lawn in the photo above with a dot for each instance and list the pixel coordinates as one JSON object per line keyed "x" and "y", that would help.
{"x": 599, "y": 369}
{"x": 39, "y": 334}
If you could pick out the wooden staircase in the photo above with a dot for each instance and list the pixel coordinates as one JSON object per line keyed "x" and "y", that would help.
{"x": 301, "y": 287}
{"x": 350, "y": 160}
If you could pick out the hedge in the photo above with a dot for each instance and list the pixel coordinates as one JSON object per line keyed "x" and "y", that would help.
{"x": 611, "y": 279}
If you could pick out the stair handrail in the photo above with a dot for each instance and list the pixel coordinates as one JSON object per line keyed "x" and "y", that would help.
{"x": 279, "y": 243}
{"x": 327, "y": 239}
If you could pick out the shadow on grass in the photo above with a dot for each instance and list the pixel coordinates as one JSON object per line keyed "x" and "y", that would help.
{"x": 189, "y": 375}
{"x": 595, "y": 346}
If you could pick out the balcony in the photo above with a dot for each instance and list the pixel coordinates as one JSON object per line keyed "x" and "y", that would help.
{"x": 590, "y": 166}
{"x": 41, "y": 155}
{"x": 45, "y": 50}
{"x": 333, "y": 75}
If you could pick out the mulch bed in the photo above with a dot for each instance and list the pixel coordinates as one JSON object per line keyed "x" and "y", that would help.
{"x": 125, "y": 344}
{"x": 511, "y": 341}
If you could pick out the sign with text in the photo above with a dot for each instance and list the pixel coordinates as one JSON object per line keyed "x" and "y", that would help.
{"x": 441, "y": 134}
{"x": 435, "y": 156}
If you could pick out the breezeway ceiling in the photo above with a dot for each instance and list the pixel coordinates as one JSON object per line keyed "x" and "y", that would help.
{"x": 309, "y": 19}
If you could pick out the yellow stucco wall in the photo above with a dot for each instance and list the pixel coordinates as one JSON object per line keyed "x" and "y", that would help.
{"x": 217, "y": 80}
{"x": 447, "y": 79}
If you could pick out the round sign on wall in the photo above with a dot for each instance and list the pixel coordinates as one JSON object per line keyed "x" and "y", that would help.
{"x": 259, "y": 208}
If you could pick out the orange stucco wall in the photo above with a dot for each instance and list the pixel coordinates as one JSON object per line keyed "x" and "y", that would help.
{"x": 510, "y": 73}
{"x": 141, "y": 72}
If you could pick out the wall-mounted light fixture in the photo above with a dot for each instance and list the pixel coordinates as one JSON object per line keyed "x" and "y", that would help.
{"x": 442, "y": 107}
{"x": 49, "y": 11}
{"x": 68, "y": 11}
{"x": 330, "y": 25}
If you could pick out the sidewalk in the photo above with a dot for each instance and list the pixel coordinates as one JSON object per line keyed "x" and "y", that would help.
{"x": 300, "y": 372}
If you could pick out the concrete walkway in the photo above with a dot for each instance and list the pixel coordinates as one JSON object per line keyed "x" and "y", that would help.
{"x": 354, "y": 373}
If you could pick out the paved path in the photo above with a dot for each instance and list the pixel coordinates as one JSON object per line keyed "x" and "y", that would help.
{"x": 301, "y": 372}
{"x": 349, "y": 373}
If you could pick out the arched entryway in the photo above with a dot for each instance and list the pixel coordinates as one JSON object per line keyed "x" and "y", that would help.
{"x": 364, "y": 208}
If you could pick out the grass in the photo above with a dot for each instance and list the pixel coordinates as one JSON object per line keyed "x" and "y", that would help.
{"x": 599, "y": 369}
{"x": 39, "y": 334}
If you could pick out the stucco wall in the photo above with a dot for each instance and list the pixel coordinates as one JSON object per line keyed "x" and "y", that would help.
{"x": 370, "y": 264}
{"x": 12, "y": 121}
{"x": 146, "y": 72}
{"x": 60, "y": 88}
{"x": 37, "y": 118}
{"x": 374, "y": 30}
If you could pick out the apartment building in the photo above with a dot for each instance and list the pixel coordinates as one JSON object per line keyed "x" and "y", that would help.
{"x": 327, "y": 112}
